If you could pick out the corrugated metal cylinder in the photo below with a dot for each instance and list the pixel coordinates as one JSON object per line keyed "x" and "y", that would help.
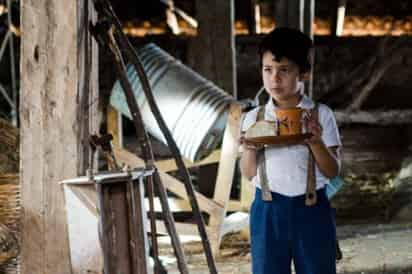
{"x": 194, "y": 109}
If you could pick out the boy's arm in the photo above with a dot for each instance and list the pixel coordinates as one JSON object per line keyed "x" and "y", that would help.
{"x": 325, "y": 141}
{"x": 327, "y": 158}
{"x": 248, "y": 165}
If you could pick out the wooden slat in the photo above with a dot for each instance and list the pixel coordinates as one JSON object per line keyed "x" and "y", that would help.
{"x": 170, "y": 165}
{"x": 114, "y": 126}
{"x": 226, "y": 169}
{"x": 175, "y": 204}
{"x": 171, "y": 183}
{"x": 233, "y": 223}
{"x": 247, "y": 194}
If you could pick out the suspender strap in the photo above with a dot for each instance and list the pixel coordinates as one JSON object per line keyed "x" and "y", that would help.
{"x": 261, "y": 164}
{"x": 311, "y": 198}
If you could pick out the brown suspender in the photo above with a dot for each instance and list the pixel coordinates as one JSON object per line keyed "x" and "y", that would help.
{"x": 261, "y": 160}
{"x": 310, "y": 196}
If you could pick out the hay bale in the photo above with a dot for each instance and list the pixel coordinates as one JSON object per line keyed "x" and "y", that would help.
{"x": 10, "y": 213}
{"x": 9, "y": 147}
{"x": 9, "y": 247}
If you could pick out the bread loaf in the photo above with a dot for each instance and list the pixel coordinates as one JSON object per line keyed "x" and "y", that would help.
{"x": 261, "y": 129}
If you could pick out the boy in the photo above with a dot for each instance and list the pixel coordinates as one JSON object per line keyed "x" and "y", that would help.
{"x": 285, "y": 229}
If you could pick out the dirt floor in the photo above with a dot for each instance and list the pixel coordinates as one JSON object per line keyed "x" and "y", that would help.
{"x": 367, "y": 249}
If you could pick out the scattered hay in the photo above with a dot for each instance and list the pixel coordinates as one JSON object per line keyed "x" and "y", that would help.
{"x": 9, "y": 147}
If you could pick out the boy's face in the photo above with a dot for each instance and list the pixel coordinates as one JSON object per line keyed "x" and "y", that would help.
{"x": 280, "y": 79}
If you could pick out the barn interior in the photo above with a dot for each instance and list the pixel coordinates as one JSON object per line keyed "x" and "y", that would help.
{"x": 60, "y": 85}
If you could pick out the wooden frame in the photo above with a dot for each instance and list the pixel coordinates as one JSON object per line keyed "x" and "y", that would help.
{"x": 122, "y": 218}
{"x": 217, "y": 206}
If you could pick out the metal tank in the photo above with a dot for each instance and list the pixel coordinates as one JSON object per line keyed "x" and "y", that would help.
{"x": 194, "y": 109}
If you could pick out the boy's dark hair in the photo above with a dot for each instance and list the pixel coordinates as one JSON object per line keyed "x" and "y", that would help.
{"x": 289, "y": 43}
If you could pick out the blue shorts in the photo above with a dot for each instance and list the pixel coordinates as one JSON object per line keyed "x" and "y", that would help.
{"x": 285, "y": 230}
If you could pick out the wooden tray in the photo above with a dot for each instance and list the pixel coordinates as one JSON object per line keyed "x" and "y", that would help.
{"x": 278, "y": 140}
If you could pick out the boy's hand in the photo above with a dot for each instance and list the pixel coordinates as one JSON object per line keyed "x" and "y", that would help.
{"x": 313, "y": 126}
{"x": 246, "y": 145}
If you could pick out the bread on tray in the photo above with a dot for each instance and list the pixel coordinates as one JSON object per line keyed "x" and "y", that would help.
{"x": 262, "y": 129}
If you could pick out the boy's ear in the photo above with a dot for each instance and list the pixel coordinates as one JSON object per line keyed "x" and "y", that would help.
{"x": 305, "y": 76}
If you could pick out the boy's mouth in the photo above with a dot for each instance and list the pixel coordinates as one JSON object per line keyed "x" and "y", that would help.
{"x": 277, "y": 89}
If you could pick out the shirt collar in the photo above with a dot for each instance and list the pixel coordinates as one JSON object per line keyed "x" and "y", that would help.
{"x": 305, "y": 103}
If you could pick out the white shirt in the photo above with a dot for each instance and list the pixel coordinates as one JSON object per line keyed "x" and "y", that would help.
{"x": 286, "y": 166}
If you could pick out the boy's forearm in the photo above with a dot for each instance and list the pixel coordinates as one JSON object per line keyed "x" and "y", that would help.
{"x": 326, "y": 161}
{"x": 248, "y": 165}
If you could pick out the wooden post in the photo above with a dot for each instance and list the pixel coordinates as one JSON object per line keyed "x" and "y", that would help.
{"x": 251, "y": 17}
{"x": 213, "y": 50}
{"x": 51, "y": 145}
{"x": 123, "y": 222}
{"x": 338, "y": 16}
{"x": 309, "y": 18}
{"x": 226, "y": 171}
{"x": 289, "y": 13}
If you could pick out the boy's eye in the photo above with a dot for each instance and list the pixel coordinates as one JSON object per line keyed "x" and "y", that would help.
{"x": 267, "y": 69}
{"x": 284, "y": 70}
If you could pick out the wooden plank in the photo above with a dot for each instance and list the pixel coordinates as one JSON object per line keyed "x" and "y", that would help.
{"x": 216, "y": 34}
{"x": 247, "y": 194}
{"x": 87, "y": 113}
{"x": 139, "y": 243}
{"x": 226, "y": 169}
{"x": 114, "y": 126}
{"x": 170, "y": 164}
{"x": 171, "y": 183}
{"x": 233, "y": 223}
{"x": 86, "y": 255}
{"x": 49, "y": 143}
{"x": 180, "y": 205}
{"x": 183, "y": 228}
{"x": 338, "y": 16}
{"x": 85, "y": 252}
{"x": 175, "y": 204}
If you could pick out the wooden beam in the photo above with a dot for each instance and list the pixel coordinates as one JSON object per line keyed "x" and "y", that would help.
{"x": 170, "y": 182}
{"x": 338, "y": 18}
{"x": 247, "y": 194}
{"x": 251, "y": 16}
{"x": 308, "y": 17}
{"x": 53, "y": 76}
{"x": 226, "y": 169}
{"x": 180, "y": 205}
{"x": 171, "y": 18}
{"x": 308, "y": 22}
{"x": 114, "y": 126}
{"x": 383, "y": 118}
{"x": 289, "y": 13}
{"x": 213, "y": 50}
{"x": 170, "y": 164}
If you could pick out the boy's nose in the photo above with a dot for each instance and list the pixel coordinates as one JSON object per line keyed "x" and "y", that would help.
{"x": 276, "y": 76}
